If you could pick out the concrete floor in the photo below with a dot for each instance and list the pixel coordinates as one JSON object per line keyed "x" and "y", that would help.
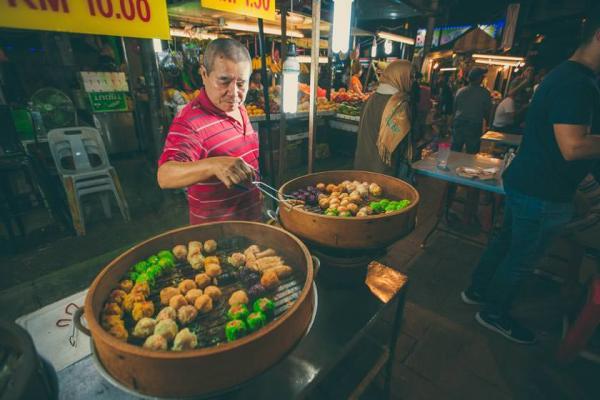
{"x": 442, "y": 352}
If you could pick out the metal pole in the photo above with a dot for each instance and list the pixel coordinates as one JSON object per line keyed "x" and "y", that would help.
{"x": 132, "y": 87}
{"x": 282, "y": 120}
{"x": 266, "y": 145}
{"x": 314, "y": 80}
{"x": 153, "y": 83}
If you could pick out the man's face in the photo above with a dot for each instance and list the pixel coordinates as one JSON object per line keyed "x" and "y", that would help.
{"x": 227, "y": 83}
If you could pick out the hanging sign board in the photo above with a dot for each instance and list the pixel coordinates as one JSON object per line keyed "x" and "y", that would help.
{"x": 264, "y": 9}
{"x": 131, "y": 18}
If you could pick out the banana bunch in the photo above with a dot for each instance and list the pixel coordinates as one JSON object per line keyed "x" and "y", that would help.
{"x": 275, "y": 66}
{"x": 256, "y": 63}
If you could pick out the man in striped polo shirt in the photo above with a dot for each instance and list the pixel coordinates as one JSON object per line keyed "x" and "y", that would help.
{"x": 211, "y": 148}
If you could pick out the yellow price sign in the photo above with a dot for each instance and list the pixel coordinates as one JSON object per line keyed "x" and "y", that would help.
{"x": 264, "y": 9}
{"x": 133, "y": 18}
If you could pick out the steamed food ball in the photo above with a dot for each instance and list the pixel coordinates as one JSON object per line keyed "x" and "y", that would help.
{"x": 321, "y": 187}
{"x": 353, "y": 208}
{"x": 117, "y": 296}
{"x": 213, "y": 292}
{"x": 186, "y": 285}
{"x": 204, "y": 304}
{"x": 210, "y": 246}
{"x": 324, "y": 203}
{"x": 202, "y": 280}
{"x": 186, "y": 314}
{"x": 265, "y": 306}
{"x": 167, "y": 313}
{"x": 109, "y": 321}
{"x": 256, "y": 291}
{"x": 375, "y": 190}
{"x": 237, "y": 260}
{"x": 235, "y": 329}
{"x": 141, "y": 310}
{"x": 177, "y": 302}
{"x": 330, "y": 188}
{"x": 213, "y": 270}
{"x": 119, "y": 332}
{"x": 269, "y": 280}
{"x": 212, "y": 260}
{"x": 131, "y": 299}
{"x": 155, "y": 342}
{"x": 112, "y": 309}
{"x": 185, "y": 340}
{"x": 256, "y": 320}
{"x": 126, "y": 285}
{"x": 192, "y": 295}
{"x": 194, "y": 247}
{"x": 180, "y": 252}
{"x": 196, "y": 260}
{"x": 239, "y": 311}
{"x": 144, "y": 328}
{"x": 167, "y": 328}
{"x": 167, "y": 294}
{"x": 248, "y": 276}
{"x": 238, "y": 297}
{"x": 141, "y": 288}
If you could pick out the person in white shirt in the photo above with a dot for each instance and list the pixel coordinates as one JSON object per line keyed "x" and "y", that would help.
{"x": 504, "y": 118}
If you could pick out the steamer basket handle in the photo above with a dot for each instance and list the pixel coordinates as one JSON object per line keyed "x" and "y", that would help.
{"x": 316, "y": 264}
{"x": 77, "y": 321}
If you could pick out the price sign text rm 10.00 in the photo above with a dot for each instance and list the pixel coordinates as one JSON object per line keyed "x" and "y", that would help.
{"x": 134, "y": 18}
{"x": 255, "y": 8}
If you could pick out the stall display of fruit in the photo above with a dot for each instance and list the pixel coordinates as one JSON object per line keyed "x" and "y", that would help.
{"x": 350, "y": 97}
{"x": 347, "y": 199}
{"x": 347, "y": 109}
{"x": 254, "y": 110}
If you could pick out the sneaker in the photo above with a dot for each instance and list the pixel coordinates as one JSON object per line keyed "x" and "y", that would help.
{"x": 472, "y": 297}
{"x": 507, "y": 327}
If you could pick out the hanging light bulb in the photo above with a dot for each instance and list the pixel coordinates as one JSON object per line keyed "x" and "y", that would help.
{"x": 290, "y": 71}
{"x": 340, "y": 41}
{"x": 387, "y": 47}
{"x": 374, "y": 48}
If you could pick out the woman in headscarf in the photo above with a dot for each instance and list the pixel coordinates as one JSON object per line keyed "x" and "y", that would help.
{"x": 384, "y": 143}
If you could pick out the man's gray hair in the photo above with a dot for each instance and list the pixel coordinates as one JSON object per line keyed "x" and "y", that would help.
{"x": 229, "y": 48}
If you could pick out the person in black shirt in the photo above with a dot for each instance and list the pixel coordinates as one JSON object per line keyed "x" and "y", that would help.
{"x": 558, "y": 150}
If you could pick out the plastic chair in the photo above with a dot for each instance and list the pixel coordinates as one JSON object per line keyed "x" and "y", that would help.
{"x": 81, "y": 161}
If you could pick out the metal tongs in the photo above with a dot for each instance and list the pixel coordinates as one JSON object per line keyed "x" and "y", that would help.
{"x": 288, "y": 201}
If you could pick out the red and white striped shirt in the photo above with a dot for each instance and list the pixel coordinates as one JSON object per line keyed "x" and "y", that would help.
{"x": 199, "y": 131}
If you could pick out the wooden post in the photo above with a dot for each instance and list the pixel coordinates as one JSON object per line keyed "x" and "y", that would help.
{"x": 314, "y": 81}
{"x": 266, "y": 144}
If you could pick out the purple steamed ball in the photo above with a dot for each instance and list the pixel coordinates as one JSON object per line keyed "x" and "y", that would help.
{"x": 311, "y": 198}
{"x": 256, "y": 291}
{"x": 310, "y": 188}
{"x": 248, "y": 277}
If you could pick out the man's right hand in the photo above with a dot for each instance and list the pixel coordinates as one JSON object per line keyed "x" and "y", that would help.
{"x": 231, "y": 170}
